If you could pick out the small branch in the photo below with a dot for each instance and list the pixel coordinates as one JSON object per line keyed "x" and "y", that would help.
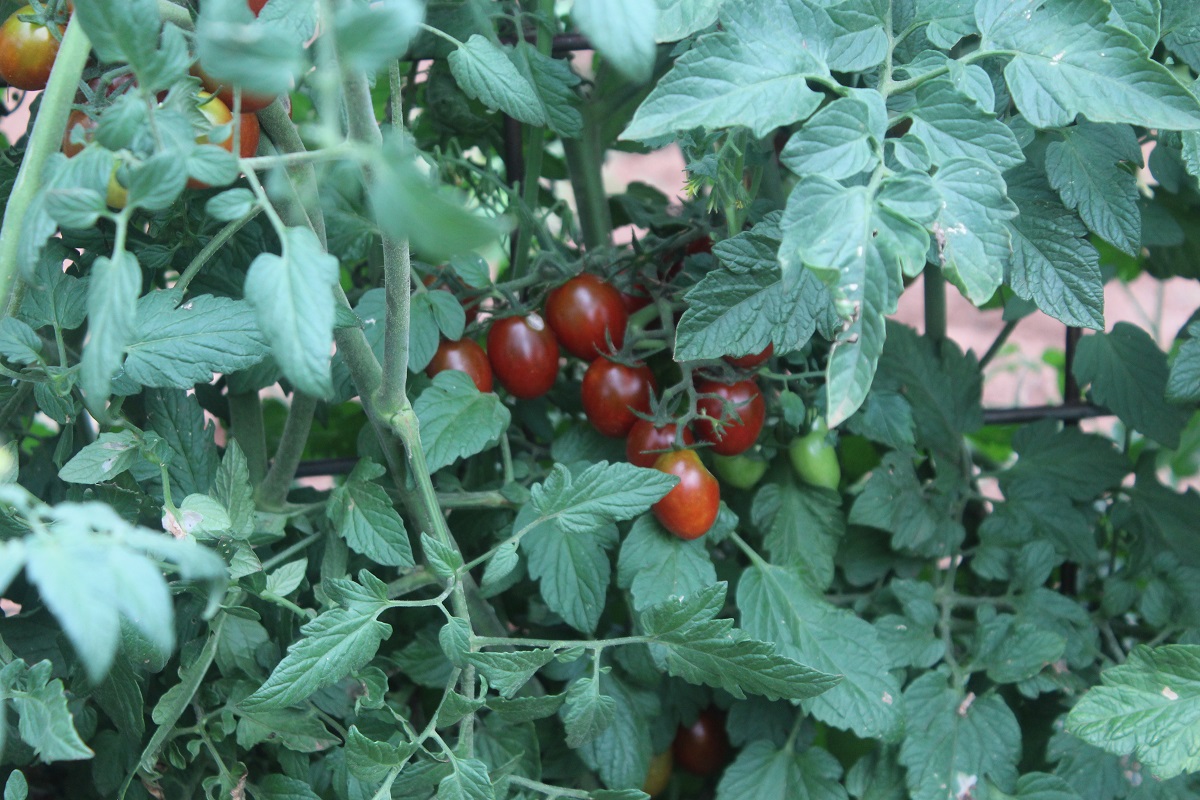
{"x": 210, "y": 249}
{"x": 998, "y": 342}
{"x": 935, "y": 303}
{"x": 272, "y": 494}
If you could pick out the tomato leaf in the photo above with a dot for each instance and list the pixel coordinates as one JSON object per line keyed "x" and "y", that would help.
{"x": 45, "y": 722}
{"x": 457, "y": 420}
{"x": 364, "y": 516}
{"x": 508, "y": 672}
{"x": 841, "y": 140}
{"x": 1069, "y": 61}
{"x": 776, "y": 606}
{"x": 292, "y": 295}
{"x": 622, "y": 31}
{"x": 112, "y": 309}
{"x": 953, "y": 740}
{"x": 655, "y": 565}
{"x": 700, "y": 648}
{"x": 765, "y": 771}
{"x": 484, "y": 71}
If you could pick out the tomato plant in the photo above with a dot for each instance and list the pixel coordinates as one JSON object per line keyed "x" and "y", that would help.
{"x": 814, "y": 459}
{"x": 586, "y": 314}
{"x": 27, "y": 51}
{"x": 464, "y": 355}
{"x": 737, "y": 433}
{"x": 647, "y": 441}
{"x": 612, "y": 393}
{"x": 249, "y": 549}
{"x": 702, "y": 747}
{"x": 524, "y": 355}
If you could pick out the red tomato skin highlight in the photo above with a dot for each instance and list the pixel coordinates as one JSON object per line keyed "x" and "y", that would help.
{"x": 466, "y": 356}
{"x": 739, "y": 434}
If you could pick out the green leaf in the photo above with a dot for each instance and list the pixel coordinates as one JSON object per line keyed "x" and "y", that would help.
{"x": 176, "y": 416}
{"x": 952, "y": 741}
{"x": 973, "y": 241}
{"x": 230, "y": 205}
{"x": 444, "y": 560}
{"x": 16, "y": 787}
{"x": 371, "y": 761}
{"x": 623, "y": 31}
{"x": 484, "y": 71}
{"x": 125, "y": 34}
{"x": 776, "y": 606}
{"x": 257, "y": 54}
{"x": 943, "y": 387}
{"x": 1013, "y": 651}
{"x": 700, "y": 648}
{"x": 457, "y": 420}
{"x": 102, "y": 460}
{"x": 1128, "y": 374}
{"x": 744, "y": 305}
{"x": 919, "y": 517}
{"x": 179, "y": 346}
{"x": 113, "y": 289}
{"x": 499, "y": 567}
{"x": 1053, "y": 263}
{"x": 600, "y": 494}
{"x": 468, "y": 781}
{"x": 1183, "y": 383}
{"x": 654, "y": 565}
{"x": 555, "y": 83}
{"x": 18, "y": 342}
{"x": 1139, "y": 17}
{"x": 233, "y": 489}
{"x": 803, "y": 527}
{"x": 300, "y": 730}
{"x": 765, "y": 772}
{"x": 1084, "y": 169}
{"x": 748, "y": 73}
{"x": 508, "y": 672}
{"x": 369, "y": 37}
{"x": 1069, "y": 61}
{"x": 586, "y": 712}
{"x": 1077, "y": 465}
{"x": 841, "y": 140}
{"x": 364, "y": 516}
{"x": 54, "y": 296}
{"x": 45, "y": 722}
{"x": 678, "y": 19}
{"x": 953, "y": 126}
{"x": 292, "y": 295}
{"x": 572, "y": 569}
{"x": 835, "y": 232}
{"x": 409, "y": 205}
{"x": 1148, "y": 707}
{"x": 281, "y": 787}
{"x": 334, "y": 644}
{"x": 286, "y": 579}
{"x": 621, "y": 753}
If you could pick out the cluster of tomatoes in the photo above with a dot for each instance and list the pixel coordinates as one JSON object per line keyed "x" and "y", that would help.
{"x": 587, "y": 317}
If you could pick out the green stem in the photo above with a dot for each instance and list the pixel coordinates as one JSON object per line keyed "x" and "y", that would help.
{"x": 272, "y": 493}
{"x": 278, "y": 127}
{"x": 246, "y": 426}
{"x": 44, "y": 141}
{"x": 534, "y": 147}
{"x": 935, "y": 303}
{"x": 999, "y": 341}
{"x": 210, "y": 249}
{"x": 587, "y": 180}
{"x": 284, "y": 555}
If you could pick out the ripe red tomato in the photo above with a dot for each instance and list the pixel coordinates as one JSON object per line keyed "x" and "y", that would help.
{"x": 77, "y": 119}
{"x": 646, "y": 443}
{"x": 754, "y": 359}
{"x": 701, "y": 245}
{"x": 740, "y": 433}
{"x": 466, "y": 356}
{"x": 256, "y": 5}
{"x": 612, "y": 392}
{"x": 702, "y": 747}
{"x": 27, "y": 52}
{"x": 635, "y": 299}
{"x": 581, "y": 311}
{"x": 524, "y": 355}
{"x": 659, "y": 774}
{"x": 690, "y": 509}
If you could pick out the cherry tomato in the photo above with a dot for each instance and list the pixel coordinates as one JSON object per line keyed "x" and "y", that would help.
{"x": 465, "y": 356}
{"x": 690, "y": 509}
{"x": 27, "y": 52}
{"x": 256, "y": 5}
{"x": 814, "y": 460}
{"x": 702, "y": 747}
{"x": 524, "y": 355}
{"x": 702, "y": 244}
{"x": 740, "y": 433}
{"x": 646, "y": 443}
{"x": 612, "y": 392}
{"x": 582, "y": 311}
{"x": 659, "y": 774}
{"x": 754, "y": 359}
{"x": 250, "y": 102}
{"x": 740, "y": 471}
{"x": 635, "y": 299}
{"x": 77, "y": 119}
{"x": 217, "y": 113}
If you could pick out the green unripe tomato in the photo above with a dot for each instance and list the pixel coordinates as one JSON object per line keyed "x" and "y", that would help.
{"x": 741, "y": 471}
{"x": 814, "y": 460}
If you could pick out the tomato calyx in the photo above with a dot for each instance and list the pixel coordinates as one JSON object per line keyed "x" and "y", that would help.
{"x": 615, "y": 393}
{"x": 731, "y": 415}
{"x": 647, "y": 440}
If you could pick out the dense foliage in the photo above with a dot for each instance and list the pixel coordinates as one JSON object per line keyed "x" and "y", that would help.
{"x": 700, "y": 520}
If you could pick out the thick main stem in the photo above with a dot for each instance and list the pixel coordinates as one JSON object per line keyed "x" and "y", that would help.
{"x": 583, "y": 163}
{"x": 273, "y": 492}
{"x": 935, "y": 303}
{"x": 246, "y": 425}
{"x": 44, "y": 141}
